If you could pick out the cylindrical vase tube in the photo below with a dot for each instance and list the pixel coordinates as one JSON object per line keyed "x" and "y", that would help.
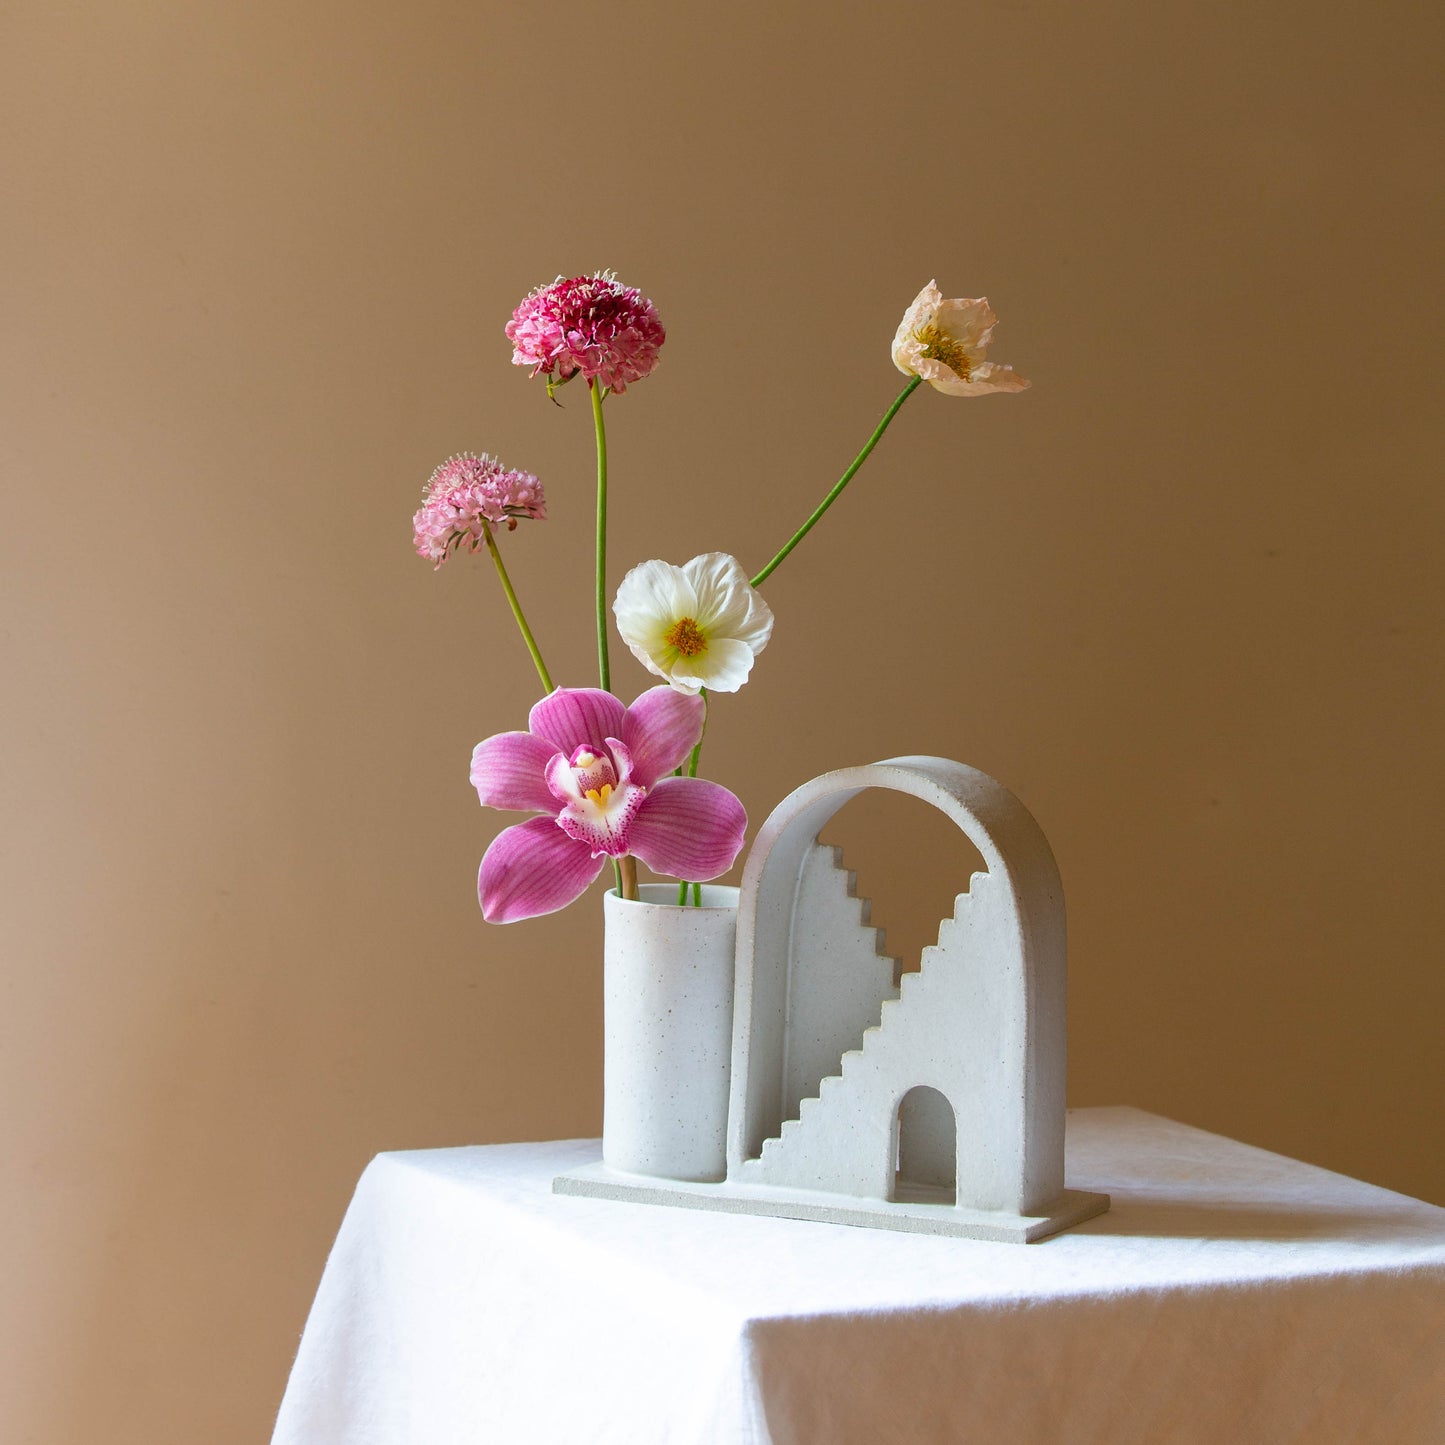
{"x": 668, "y": 1024}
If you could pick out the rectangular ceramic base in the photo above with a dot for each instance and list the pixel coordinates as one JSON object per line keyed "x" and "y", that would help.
{"x": 1072, "y": 1207}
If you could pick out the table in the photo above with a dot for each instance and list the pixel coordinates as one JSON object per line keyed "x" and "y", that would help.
{"x": 1230, "y": 1296}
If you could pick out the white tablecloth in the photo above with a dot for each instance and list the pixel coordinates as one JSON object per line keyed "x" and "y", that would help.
{"x": 1230, "y": 1296}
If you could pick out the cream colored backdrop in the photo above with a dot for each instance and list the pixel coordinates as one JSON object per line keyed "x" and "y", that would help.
{"x": 1183, "y": 597}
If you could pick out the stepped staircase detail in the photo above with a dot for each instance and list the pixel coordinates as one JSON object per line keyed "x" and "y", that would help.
{"x": 838, "y": 976}
{"x": 858, "y": 1094}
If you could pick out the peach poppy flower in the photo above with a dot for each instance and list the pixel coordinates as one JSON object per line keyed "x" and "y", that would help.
{"x": 943, "y": 342}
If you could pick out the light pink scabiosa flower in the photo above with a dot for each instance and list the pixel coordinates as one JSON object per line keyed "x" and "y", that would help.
{"x": 466, "y": 492}
{"x": 944, "y": 343}
{"x": 600, "y": 774}
{"x": 588, "y": 324}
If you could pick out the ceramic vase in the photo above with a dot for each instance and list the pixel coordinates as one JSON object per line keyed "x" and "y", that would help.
{"x": 668, "y": 1017}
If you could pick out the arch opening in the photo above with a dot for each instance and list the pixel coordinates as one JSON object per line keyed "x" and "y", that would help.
{"x": 911, "y": 862}
{"x": 925, "y": 1148}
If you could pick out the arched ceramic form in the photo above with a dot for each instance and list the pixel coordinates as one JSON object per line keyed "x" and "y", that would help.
{"x": 982, "y": 1021}
{"x": 826, "y": 1049}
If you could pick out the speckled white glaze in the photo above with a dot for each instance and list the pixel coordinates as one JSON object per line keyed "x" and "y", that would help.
{"x": 668, "y": 1016}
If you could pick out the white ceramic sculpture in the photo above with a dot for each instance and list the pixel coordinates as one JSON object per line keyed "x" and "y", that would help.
{"x": 937, "y": 1106}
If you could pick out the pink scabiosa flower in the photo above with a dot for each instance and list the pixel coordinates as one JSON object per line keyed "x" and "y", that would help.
{"x": 600, "y": 774}
{"x": 588, "y": 324}
{"x": 464, "y": 494}
{"x": 944, "y": 343}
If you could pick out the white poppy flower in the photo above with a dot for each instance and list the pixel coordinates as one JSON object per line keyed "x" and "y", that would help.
{"x": 697, "y": 626}
{"x": 944, "y": 343}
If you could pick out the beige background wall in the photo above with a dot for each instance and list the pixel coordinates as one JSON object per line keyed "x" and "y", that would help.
{"x": 1184, "y": 596}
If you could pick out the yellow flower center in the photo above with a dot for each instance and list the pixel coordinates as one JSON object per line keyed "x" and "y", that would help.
{"x": 938, "y": 344}
{"x": 599, "y": 795}
{"x": 686, "y": 636}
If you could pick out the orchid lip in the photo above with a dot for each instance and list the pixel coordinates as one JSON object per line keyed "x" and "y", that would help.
{"x": 602, "y": 818}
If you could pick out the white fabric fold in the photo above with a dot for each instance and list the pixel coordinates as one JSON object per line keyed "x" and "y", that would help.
{"x": 1229, "y": 1295}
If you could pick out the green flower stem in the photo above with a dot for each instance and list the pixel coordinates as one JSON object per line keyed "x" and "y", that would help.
{"x": 692, "y": 773}
{"x": 624, "y": 870}
{"x": 626, "y": 875}
{"x": 604, "y": 670}
{"x": 516, "y": 607}
{"x": 913, "y": 384}
{"x": 697, "y": 750}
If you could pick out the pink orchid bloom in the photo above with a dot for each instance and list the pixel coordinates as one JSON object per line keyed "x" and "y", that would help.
{"x": 601, "y": 776}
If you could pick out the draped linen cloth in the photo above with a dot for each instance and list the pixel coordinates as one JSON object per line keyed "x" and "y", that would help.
{"x": 1230, "y": 1295}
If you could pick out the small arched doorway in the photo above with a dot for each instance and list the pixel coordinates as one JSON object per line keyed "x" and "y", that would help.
{"x": 925, "y": 1156}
